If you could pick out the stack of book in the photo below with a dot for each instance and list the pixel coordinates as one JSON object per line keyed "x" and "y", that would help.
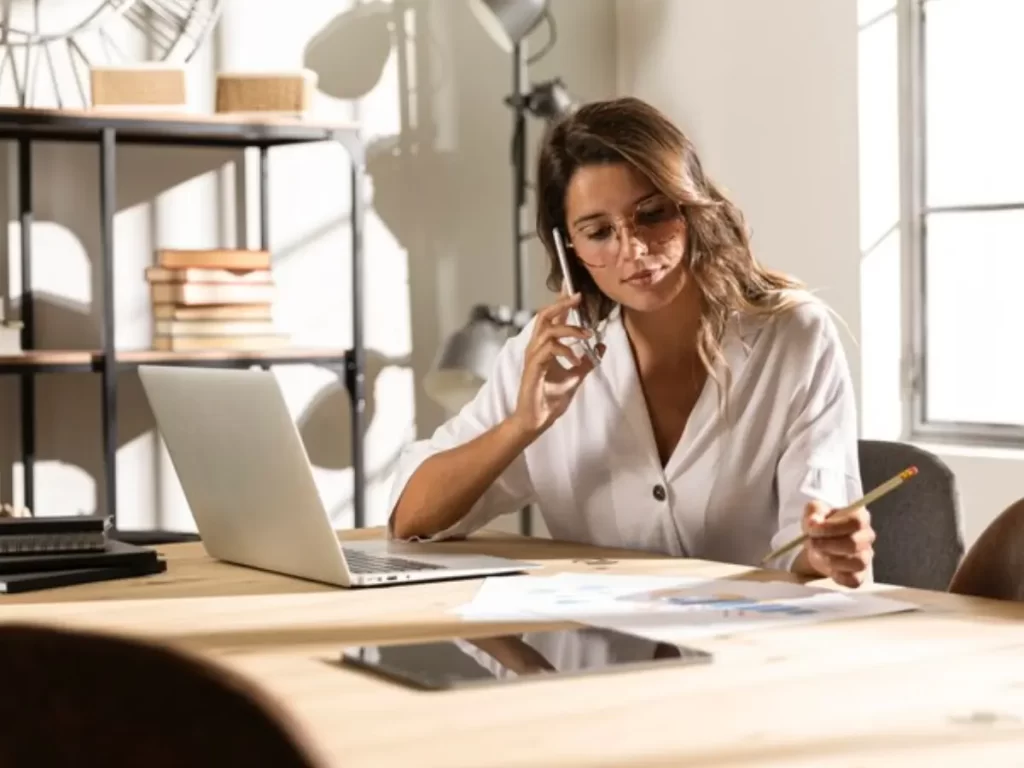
{"x": 42, "y": 553}
{"x": 218, "y": 299}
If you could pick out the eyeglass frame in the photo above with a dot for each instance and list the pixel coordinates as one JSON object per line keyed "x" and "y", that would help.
{"x": 618, "y": 223}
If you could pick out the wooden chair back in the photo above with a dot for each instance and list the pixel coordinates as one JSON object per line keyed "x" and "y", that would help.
{"x": 74, "y": 698}
{"x": 994, "y": 565}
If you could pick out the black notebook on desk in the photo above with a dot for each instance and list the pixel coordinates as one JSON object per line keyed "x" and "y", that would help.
{"x": 13, "y": 583}
{"x": 115, "y": 554}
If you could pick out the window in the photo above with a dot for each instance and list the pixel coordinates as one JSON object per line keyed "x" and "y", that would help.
{"x": 963, "y": 210}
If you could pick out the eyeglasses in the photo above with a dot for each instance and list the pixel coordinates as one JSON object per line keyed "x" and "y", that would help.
{"x": 654, "y": 222}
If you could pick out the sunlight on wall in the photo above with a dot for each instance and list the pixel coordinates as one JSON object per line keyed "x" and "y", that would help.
{"x": 63, "y": 268}
{"x": 133, "y": 227}
{"x": 310, "y": 240}
{"x": 59, "y": 486}
{"x": 176, "y": 198}
{"x": 436, "y": 237}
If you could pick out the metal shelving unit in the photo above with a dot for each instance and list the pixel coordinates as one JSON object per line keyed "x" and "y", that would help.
{"x": 107, "y": 131}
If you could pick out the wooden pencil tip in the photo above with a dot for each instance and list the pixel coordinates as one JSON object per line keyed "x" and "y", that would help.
{"x": 909, "y": 472}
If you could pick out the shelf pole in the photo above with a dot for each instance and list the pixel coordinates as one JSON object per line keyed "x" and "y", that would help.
{"x": 28, "y": 381}
{"x": 356, "y": 359}
{"x": 264, "y": 198}
{"x": 264, "y": 206}
{"x": 108, "y": 372}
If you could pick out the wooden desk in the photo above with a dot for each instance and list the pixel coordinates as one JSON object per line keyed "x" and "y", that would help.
{"x": 942, "y": 686}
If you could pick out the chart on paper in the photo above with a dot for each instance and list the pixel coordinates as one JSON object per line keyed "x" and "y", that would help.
{"x": 669, "y": 609}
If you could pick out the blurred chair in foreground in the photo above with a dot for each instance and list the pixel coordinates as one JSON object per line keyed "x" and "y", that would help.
{"x": 994, "y": 565}
{"x": 76, "y": 698}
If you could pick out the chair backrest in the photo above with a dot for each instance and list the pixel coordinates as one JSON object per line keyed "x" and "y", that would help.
{"x": 994, "y": 565}
{"x": 80, "y": 698}
{"x": 919, "y": 528}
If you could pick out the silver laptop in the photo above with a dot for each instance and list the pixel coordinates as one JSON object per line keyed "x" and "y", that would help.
{"x": 249, "y": 483}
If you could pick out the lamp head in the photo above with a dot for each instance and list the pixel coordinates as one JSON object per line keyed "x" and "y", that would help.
{"x": 550, "y": 100}
{"x": 508, "y": 21}
{"x": 468, "y": 356}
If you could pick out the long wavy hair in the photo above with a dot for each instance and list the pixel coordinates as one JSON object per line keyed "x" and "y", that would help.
{"x": 718, "y": 255}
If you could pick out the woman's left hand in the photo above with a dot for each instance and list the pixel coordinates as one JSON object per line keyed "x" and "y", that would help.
{"x": 840, "y": 547}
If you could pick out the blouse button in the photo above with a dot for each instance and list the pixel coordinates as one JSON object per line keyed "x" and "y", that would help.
{"x": 659, "y": 492}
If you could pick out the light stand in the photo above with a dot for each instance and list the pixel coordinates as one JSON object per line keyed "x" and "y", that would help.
{"x": 548, "y": 101}
{"x": 459, "y": 362}
{"x": 518, "y": 101}
{"x": 520, "y": 82}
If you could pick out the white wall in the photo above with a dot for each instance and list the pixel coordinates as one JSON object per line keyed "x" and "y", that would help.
{"x": 437, "y": 240}
{"x": 794, "y": 108}
{"x": 768, "y": 93}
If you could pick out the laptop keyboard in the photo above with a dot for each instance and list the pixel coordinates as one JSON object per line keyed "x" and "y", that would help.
{"x": 361, "y": 562}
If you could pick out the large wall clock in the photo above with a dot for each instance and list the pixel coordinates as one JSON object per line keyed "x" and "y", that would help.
{"x": 48, "y": 46}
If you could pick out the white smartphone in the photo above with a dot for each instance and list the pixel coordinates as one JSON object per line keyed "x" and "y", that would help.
{"x": 574, "y": 316}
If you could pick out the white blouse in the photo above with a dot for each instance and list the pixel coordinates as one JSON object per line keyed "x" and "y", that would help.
{"x": 737, "y": 482}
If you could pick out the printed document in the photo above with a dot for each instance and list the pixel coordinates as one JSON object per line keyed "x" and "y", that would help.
{"x": 669, "y": 609}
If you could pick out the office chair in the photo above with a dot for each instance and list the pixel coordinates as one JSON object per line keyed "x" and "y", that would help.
{"x": 919, "y": 528}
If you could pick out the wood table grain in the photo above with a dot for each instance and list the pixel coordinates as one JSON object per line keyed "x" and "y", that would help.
{"x": 940, "y": 686}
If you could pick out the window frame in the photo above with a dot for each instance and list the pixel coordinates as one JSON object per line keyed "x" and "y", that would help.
{"x": 914, "y": 213}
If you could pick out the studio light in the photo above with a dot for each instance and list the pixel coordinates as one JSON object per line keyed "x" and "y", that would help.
{"x": 465, "y": 361}
{"x": 508, "y": 22}
{"x": 549, "y": 100}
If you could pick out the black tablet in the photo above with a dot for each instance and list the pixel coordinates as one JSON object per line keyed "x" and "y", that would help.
{"x": 480, "y": 661}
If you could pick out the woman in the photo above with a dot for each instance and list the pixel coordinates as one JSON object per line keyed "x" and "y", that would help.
{"x": 719, "y": 421}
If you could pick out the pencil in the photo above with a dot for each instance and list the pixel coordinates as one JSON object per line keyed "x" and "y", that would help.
{"x": 868, "y": 499}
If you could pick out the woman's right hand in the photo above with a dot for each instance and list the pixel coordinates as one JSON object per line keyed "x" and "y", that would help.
{"x": 547, "y": 387}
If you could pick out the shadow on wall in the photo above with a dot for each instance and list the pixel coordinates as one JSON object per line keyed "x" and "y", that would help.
{"x": 68, "y": 177}
{"x": 325, "y": 426}
{"x": 69, "y": 427}
{"x": 66, "y": 198}
{"x": 326, "y": 422}
{"x": 413, "y": 176}
{"x": 66, "y": 187}
{"x": 439, "y": 182}
{"x": 441, "y": 186}
{"x": 68, "y": 410}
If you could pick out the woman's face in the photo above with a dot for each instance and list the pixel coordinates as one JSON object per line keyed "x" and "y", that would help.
{"x": 630, "y": 238}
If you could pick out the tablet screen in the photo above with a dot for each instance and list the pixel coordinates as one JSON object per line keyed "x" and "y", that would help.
{"x": 461, "y": 662}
